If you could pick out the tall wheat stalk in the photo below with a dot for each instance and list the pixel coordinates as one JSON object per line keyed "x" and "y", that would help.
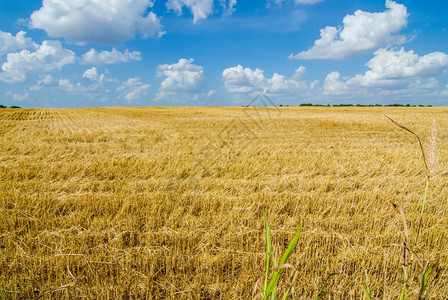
{"x": 409, "y": 249}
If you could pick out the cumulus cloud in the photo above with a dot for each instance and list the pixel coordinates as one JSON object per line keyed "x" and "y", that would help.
{"x": 17, "y": 97}
{"x": 89, "y": 83}
{"x": 211, "y": 93}
{"x": 99, "y": 21}
{"x": 10, "y": 43}
{"x": 45, "y": 81}
{"x": 66, "y": 85}
{"x": 307, "y": 1}
{"x": 181, "y": 77}
{"x": 110, "y": 57}
{"x": 200, "y": 9}
{"x": 361, "y": 32}
{"x": 392, "y": 68}
{"x": 333, "y": 84}
{"x": 299, "y": 72}
{"x": 389, "y": 66}
{"x": 243, "y": 80}
{"x": 49, "y": 56}
{"x": 134, "y": 89}
{"x": 92, "y": 75}
{"x": 296, "y": 2}
{"x": 279, "y": 83}
{"x": 228, "y": 7}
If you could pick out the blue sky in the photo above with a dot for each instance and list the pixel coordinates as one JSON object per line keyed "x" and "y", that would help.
{"x": 65, "y": 53}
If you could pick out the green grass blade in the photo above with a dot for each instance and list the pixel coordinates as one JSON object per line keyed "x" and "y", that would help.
{"x": 291, "y": 246}
{"x": 268, "y": 255}
{"x": 367, "y": 287}
{"x": 285, "y": 295}
{"x": 324, "y": 285}
{"x": 424, "y": 279}
{"x": 274, "y": 292}
{"x": 404, "y": 292}
{"x": 367, "y": 292}
{"x": 273, "y": 283}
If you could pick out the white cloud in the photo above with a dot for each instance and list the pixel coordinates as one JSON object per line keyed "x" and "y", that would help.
{"x": 66, "y": 85}
{"x": 49, "y": 56}
{"x": 311, "y": 2}
{"x": 392, "y": 69}
{"x": 110, "y": 57}
{"x": 362, "y": 31}
{"x": 17, "y": 97}
{"x": 20, "y": 97}
{"x": 181, "y": 77}
{"x": 228, "y": 7}
{"x": 333, "y": 85}
{"x": 211, "y": 93}
{"x": 99, "y": 21}
{"x": 243, "y": 80}
{"x": 46, "y": 80}
{"x": 93, "y": 75}
{"x": 10, "y": 43}
{"x": 297, "y": 2}
{"x": 299, "y": 72}
{"x": 314, "y": 84}
{"x": 200, "y": 9}
{"x": 134, "y": 89}
{"x": 390, "y": 64}
{"x": 90, "y": 82}
{"x": 278, "y": 83}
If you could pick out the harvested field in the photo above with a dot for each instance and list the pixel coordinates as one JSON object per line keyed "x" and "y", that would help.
{"x": 155, "y": 203}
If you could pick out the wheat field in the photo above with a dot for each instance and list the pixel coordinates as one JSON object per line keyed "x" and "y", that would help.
{"x": 168, "y": 203}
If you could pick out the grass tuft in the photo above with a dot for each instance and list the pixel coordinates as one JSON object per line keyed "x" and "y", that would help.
{"x": 270, "y": 286}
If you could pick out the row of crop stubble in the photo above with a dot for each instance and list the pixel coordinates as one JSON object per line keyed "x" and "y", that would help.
{"x": 169, "y": 202}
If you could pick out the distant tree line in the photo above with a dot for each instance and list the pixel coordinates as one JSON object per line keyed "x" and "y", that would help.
{"x": 360, "y": 105}
{"x": 13, "y": 106}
